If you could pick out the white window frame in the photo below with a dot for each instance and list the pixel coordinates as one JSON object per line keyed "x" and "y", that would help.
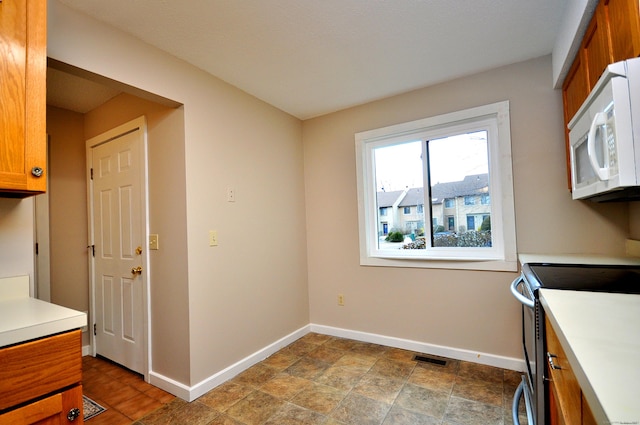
{"x": 502, "y": 255}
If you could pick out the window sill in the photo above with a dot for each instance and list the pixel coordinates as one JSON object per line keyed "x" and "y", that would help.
{"x": 453, "y": 264}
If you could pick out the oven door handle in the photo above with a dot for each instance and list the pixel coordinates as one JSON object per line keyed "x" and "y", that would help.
{"x": 514, "y": 290}
{"x": 522, "y": 391}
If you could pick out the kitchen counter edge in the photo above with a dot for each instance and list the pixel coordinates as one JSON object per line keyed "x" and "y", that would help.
{"x": 25, "y": 319}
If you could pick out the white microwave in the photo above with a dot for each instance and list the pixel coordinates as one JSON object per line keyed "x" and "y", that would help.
{"x": 604, "y": 137}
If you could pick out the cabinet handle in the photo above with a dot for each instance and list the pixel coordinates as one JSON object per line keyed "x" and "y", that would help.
{"x": 552, "y": 365}
{"x": 73, "y": 414}
{"x": 36, "y": 171}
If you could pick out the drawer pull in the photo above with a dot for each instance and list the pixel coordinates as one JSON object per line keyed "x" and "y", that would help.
{"x": 37, "y": 171}
{"x": 73, "y": 414}
{"x": 552, "y": 365}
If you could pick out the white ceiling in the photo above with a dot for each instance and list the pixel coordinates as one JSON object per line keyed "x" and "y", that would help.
{"x": 312, "y": 57}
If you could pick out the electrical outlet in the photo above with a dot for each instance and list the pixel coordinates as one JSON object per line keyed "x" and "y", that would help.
{"x": 340, "y": 299}
{"x": 213, "y": 238}
{"x": 231, "y": 195}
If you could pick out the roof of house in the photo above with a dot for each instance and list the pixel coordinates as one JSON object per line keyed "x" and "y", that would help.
{"x": 415, "y": 196}
{"x": 471, "y": 185}
{"x": 475, "y": 184}
{"x": 387, "y": 199}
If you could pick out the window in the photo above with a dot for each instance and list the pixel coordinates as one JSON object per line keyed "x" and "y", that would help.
{"x": 383, "y": 211}
{"x": 433, "y": 163}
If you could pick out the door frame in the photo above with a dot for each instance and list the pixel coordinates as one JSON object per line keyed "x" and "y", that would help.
{"x": 42, "y": 242}
{"x": 139, "y": 123}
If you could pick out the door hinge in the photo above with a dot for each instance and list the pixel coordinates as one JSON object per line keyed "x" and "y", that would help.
{"x": 95, "y": 330}
{"x": 36, "y": 242}
{"x": 93, "y": 249}
{"x": 91, "y": 173}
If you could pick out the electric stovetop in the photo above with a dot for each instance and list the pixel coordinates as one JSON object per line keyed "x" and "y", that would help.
{"x": 581, "y": 277}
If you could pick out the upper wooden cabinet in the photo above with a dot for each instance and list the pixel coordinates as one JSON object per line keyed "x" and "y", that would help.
{"x": 612, "y": 35}
{"x": 23, "y": 62}
{"x": 624, "y": 28}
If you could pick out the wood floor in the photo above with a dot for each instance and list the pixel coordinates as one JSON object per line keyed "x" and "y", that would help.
{"x": 123, "y": 393}
{"x": 317, "y": 380}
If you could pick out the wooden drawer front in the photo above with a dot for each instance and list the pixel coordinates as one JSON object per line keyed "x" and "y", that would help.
{"x": 52, "y": 410}
{"x": 565, "y": 387}
{"x": 39, "y": 367}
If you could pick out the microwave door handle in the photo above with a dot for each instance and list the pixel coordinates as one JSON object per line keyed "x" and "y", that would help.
{"x": 599, "y": 119}
{"x": 514, "y": 290}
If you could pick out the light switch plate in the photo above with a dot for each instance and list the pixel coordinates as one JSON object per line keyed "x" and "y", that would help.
{"x": 153, "y": 242}
{"x": 213, "y": 238}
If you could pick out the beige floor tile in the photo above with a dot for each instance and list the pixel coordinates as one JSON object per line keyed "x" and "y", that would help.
{"x": 467, "y": 412}
{"x": 255, "y": 408}
{"x": 286, "y": 386}
{"x": 225, "y": 395}
{"x": 319, "y": 398}
{"x": 357, "y": 409}
{"x": 380, "y": 388}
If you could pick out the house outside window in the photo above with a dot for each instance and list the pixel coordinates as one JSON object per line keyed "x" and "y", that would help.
{"x": 437, "y": 164}
{"x": 383, "y": 212}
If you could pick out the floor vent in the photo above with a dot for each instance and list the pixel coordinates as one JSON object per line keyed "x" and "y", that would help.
{"x": 432, "y": 360}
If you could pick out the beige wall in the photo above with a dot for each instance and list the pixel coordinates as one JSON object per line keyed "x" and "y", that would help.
{"x": 16, "y": 238}
{"x": 461, "y": 309}
{"x": 68, "y": 209}
{"x": 250, "y": 290}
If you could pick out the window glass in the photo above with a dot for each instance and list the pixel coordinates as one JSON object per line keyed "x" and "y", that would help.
{"x": 441, "y": 171}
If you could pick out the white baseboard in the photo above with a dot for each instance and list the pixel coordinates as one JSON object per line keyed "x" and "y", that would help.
{"x": 191, "y": 393}
{"x": 206, "y": 385}
{"x": 86, "y": 350}
{"x": 423, "y": 347}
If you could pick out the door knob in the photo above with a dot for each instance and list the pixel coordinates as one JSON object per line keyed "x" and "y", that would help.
{"x": 137, "y": 270}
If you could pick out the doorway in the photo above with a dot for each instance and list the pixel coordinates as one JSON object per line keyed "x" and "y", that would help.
{"x": 116, "y": 194}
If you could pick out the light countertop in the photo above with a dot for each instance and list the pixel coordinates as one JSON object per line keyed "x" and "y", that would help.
{"x": 600, "y": 333}
{"x": 23, "y": 319}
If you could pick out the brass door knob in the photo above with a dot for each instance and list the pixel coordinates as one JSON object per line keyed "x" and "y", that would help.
{"x": 137, "y": 270}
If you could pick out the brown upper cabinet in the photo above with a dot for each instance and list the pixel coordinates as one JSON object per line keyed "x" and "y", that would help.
{"x": 612, "y": 35}
{"x": 23, "y": 65}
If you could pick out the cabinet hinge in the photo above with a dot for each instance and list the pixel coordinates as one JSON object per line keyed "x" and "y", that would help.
{"x": 95, "y": 330}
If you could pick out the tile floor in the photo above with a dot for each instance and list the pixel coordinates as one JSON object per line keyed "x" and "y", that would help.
{"x": 318, "y": 380}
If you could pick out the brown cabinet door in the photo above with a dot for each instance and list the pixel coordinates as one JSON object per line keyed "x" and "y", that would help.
{"x": 22, "y": 96}
{"x": 624, "y": 28}
{"x": 575, "y": 89}
{"x": 597, "y": 52}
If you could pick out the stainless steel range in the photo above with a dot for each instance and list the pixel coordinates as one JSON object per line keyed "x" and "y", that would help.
{"x": 577, "y": 277}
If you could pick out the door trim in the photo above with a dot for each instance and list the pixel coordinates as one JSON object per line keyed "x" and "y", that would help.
{"x": 131, "y": 126}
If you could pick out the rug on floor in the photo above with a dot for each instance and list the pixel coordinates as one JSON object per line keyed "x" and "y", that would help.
{"x": 90, "y": 408}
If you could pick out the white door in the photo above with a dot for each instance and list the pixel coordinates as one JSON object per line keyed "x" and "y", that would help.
{"x": 118, "y": 228}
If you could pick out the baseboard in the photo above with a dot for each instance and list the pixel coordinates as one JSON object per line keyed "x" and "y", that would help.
{"x": 423, "y": 347}
{"x": 192, "y": 393}
{"x": 86, "y": 350}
